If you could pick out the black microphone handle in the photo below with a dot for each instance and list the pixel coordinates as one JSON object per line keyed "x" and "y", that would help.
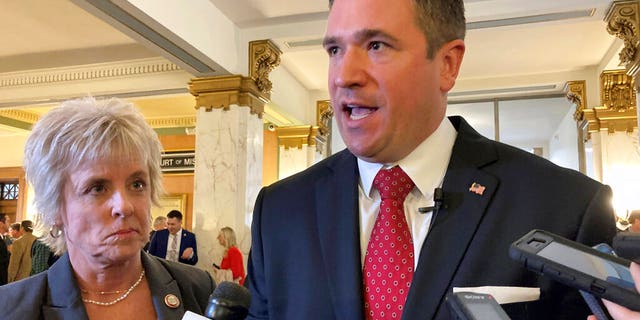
{"x": 221, "y": 309}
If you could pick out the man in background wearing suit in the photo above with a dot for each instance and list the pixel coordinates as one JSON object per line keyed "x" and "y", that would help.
{"x": 4, "y": 252}
{"x": 175, "y": 243}
{"x": 315, "y": 235}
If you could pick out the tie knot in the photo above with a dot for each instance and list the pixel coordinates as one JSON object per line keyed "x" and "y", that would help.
{"x": 393, "y": 183}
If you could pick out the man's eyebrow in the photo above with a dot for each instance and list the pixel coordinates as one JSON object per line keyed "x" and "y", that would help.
{"x": 360, "y": 36}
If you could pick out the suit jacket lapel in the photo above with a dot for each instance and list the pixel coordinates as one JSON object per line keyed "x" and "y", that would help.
{"x": 162, "y": 286}
{"x": 338, "y": 228}
{"x": 63, "y": 298}
{"x": 455, "y": 224}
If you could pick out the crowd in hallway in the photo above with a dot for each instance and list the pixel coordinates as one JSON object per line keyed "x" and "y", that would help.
{"x": 21, "y": 254}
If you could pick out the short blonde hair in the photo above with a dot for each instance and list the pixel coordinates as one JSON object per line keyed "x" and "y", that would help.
{"x": 76, "y": 132}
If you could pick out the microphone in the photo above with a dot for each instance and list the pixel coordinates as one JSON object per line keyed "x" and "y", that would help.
{"x": 229, "y": 301}
{"x": 438, "y": 199}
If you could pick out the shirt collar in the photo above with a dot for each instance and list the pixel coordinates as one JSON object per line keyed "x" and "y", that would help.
{"x": 426, "y": 165}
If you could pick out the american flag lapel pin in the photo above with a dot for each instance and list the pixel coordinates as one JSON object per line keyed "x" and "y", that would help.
{"x": 477, "y": 188}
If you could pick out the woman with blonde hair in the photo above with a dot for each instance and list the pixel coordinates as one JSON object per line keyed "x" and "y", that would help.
{"x": 95, "y": 171}
{"x": 231, "y": 258}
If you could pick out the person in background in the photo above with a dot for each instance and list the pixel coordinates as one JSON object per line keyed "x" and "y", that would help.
{"x": 95, "y": 171}
{"x": 159, "y": 223}
{"x": 175, "y": 243}
{"x": 320, "y": 237}
{"x": 20, "y": 261}
{"x": 634, "y": 221}
{"x": 15, "y": 231}
{"x": 4, "y": 251}
{"x": 41, "y": 257}
{"x": 5, "y": 222}
{"x": 231, "y": 257}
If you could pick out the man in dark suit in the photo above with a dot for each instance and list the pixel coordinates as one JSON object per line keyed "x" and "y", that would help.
{"x": 4, "y": 252}
{"x": 175, "y": 243}
{"x": 391, "y": 64}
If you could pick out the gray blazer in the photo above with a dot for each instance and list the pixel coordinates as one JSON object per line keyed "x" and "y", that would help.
{"x": 54, "y": 294}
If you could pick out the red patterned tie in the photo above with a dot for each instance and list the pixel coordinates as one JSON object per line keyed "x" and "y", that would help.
{"x": 388, "y": 263}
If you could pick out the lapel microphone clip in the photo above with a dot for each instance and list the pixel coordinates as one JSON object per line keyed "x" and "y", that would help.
{"x": 438, "y": 199}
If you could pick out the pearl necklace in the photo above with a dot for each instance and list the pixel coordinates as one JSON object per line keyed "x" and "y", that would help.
{"x": 118, "y": 299}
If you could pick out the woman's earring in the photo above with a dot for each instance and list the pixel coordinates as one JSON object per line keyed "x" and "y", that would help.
{"x": 55, "y": 232}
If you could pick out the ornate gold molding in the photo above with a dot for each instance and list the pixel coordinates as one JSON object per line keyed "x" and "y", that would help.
{"x": 617, "y": 91}
{"x": 264, "y": 56}
{"x": 618, "y": 104}
{"x": 223, "y": 91}
{"x": 91, "y": 72}
{"x": 576, "y": 92}
{"x": 622, "y": 21}
{"x": 172, "y": 122}
{"x": 324, "y": 113}
{"x": 20, "y": 115}
{"x": 296, "y": 136}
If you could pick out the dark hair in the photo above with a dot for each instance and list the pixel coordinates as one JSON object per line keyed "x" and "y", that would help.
{"x": 3, "y": 217}
{"x": 27, "y": 225}
{"x": 635, "y": 214}
{"x": 15, "y": 226}
{"x": 441, "y": 21}
{"x": 175, "y": 214}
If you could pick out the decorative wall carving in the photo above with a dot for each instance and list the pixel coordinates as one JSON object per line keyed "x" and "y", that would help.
{"x": 622, "y": 21}
{"x": 324, "y": 114}
{"x": 174, "y": 122}
{"x": 296, "y": 136}
{"x": 576, "y": 92}
{"x": 617, "y": 110}
{"x": 264, "y": 56}
{"x": 20, "y": 115}
{"x": 92, "y": 72}
{"x": 617, "y": 91}
{"x": 223, "y": 91}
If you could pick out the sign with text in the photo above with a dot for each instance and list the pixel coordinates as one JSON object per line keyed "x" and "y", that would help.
{"x": 178, "y": 161}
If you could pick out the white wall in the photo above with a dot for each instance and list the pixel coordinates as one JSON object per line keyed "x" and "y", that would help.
{"x": 291, "y": 96}
{"x": 12, "y": 150}
{"x": 563, "y": 146}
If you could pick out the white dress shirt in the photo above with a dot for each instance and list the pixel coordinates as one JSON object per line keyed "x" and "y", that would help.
{"x": 426, "y": 166}
{"x": 178, "y": 240}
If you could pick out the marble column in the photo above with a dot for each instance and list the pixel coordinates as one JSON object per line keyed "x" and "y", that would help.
{"x": 623, "y": 21}
{"x": 612, "y": 128}
{"x": 228, "y": 170}
{"x": 623, "y": 157}
{"x": 229, "y": 151}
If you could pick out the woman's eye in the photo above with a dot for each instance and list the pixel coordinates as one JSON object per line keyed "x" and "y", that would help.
{"x": 139, "y": 185}
{"x": 96, "y": 189}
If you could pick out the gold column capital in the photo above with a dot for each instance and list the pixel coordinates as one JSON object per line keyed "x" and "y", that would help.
{"x": 264, "y": 56}
{"x": 576, "y": 92}
{"x": 297, "y": 136}
{"x": 623, "y": 21}
{"x": 324, "y": 113}
{"x": 617, "y": 110}
{"x": 223, "y": 91}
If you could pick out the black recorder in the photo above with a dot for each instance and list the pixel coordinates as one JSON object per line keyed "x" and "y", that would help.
{"x": 475, "y": 306}
{"x": 577, "y": 266}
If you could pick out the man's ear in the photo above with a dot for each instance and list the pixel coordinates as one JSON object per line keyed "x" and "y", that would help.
{"x": 450, "y": 56}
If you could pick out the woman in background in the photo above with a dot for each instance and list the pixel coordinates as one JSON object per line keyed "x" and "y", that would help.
{"x": 232, "y": 257}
